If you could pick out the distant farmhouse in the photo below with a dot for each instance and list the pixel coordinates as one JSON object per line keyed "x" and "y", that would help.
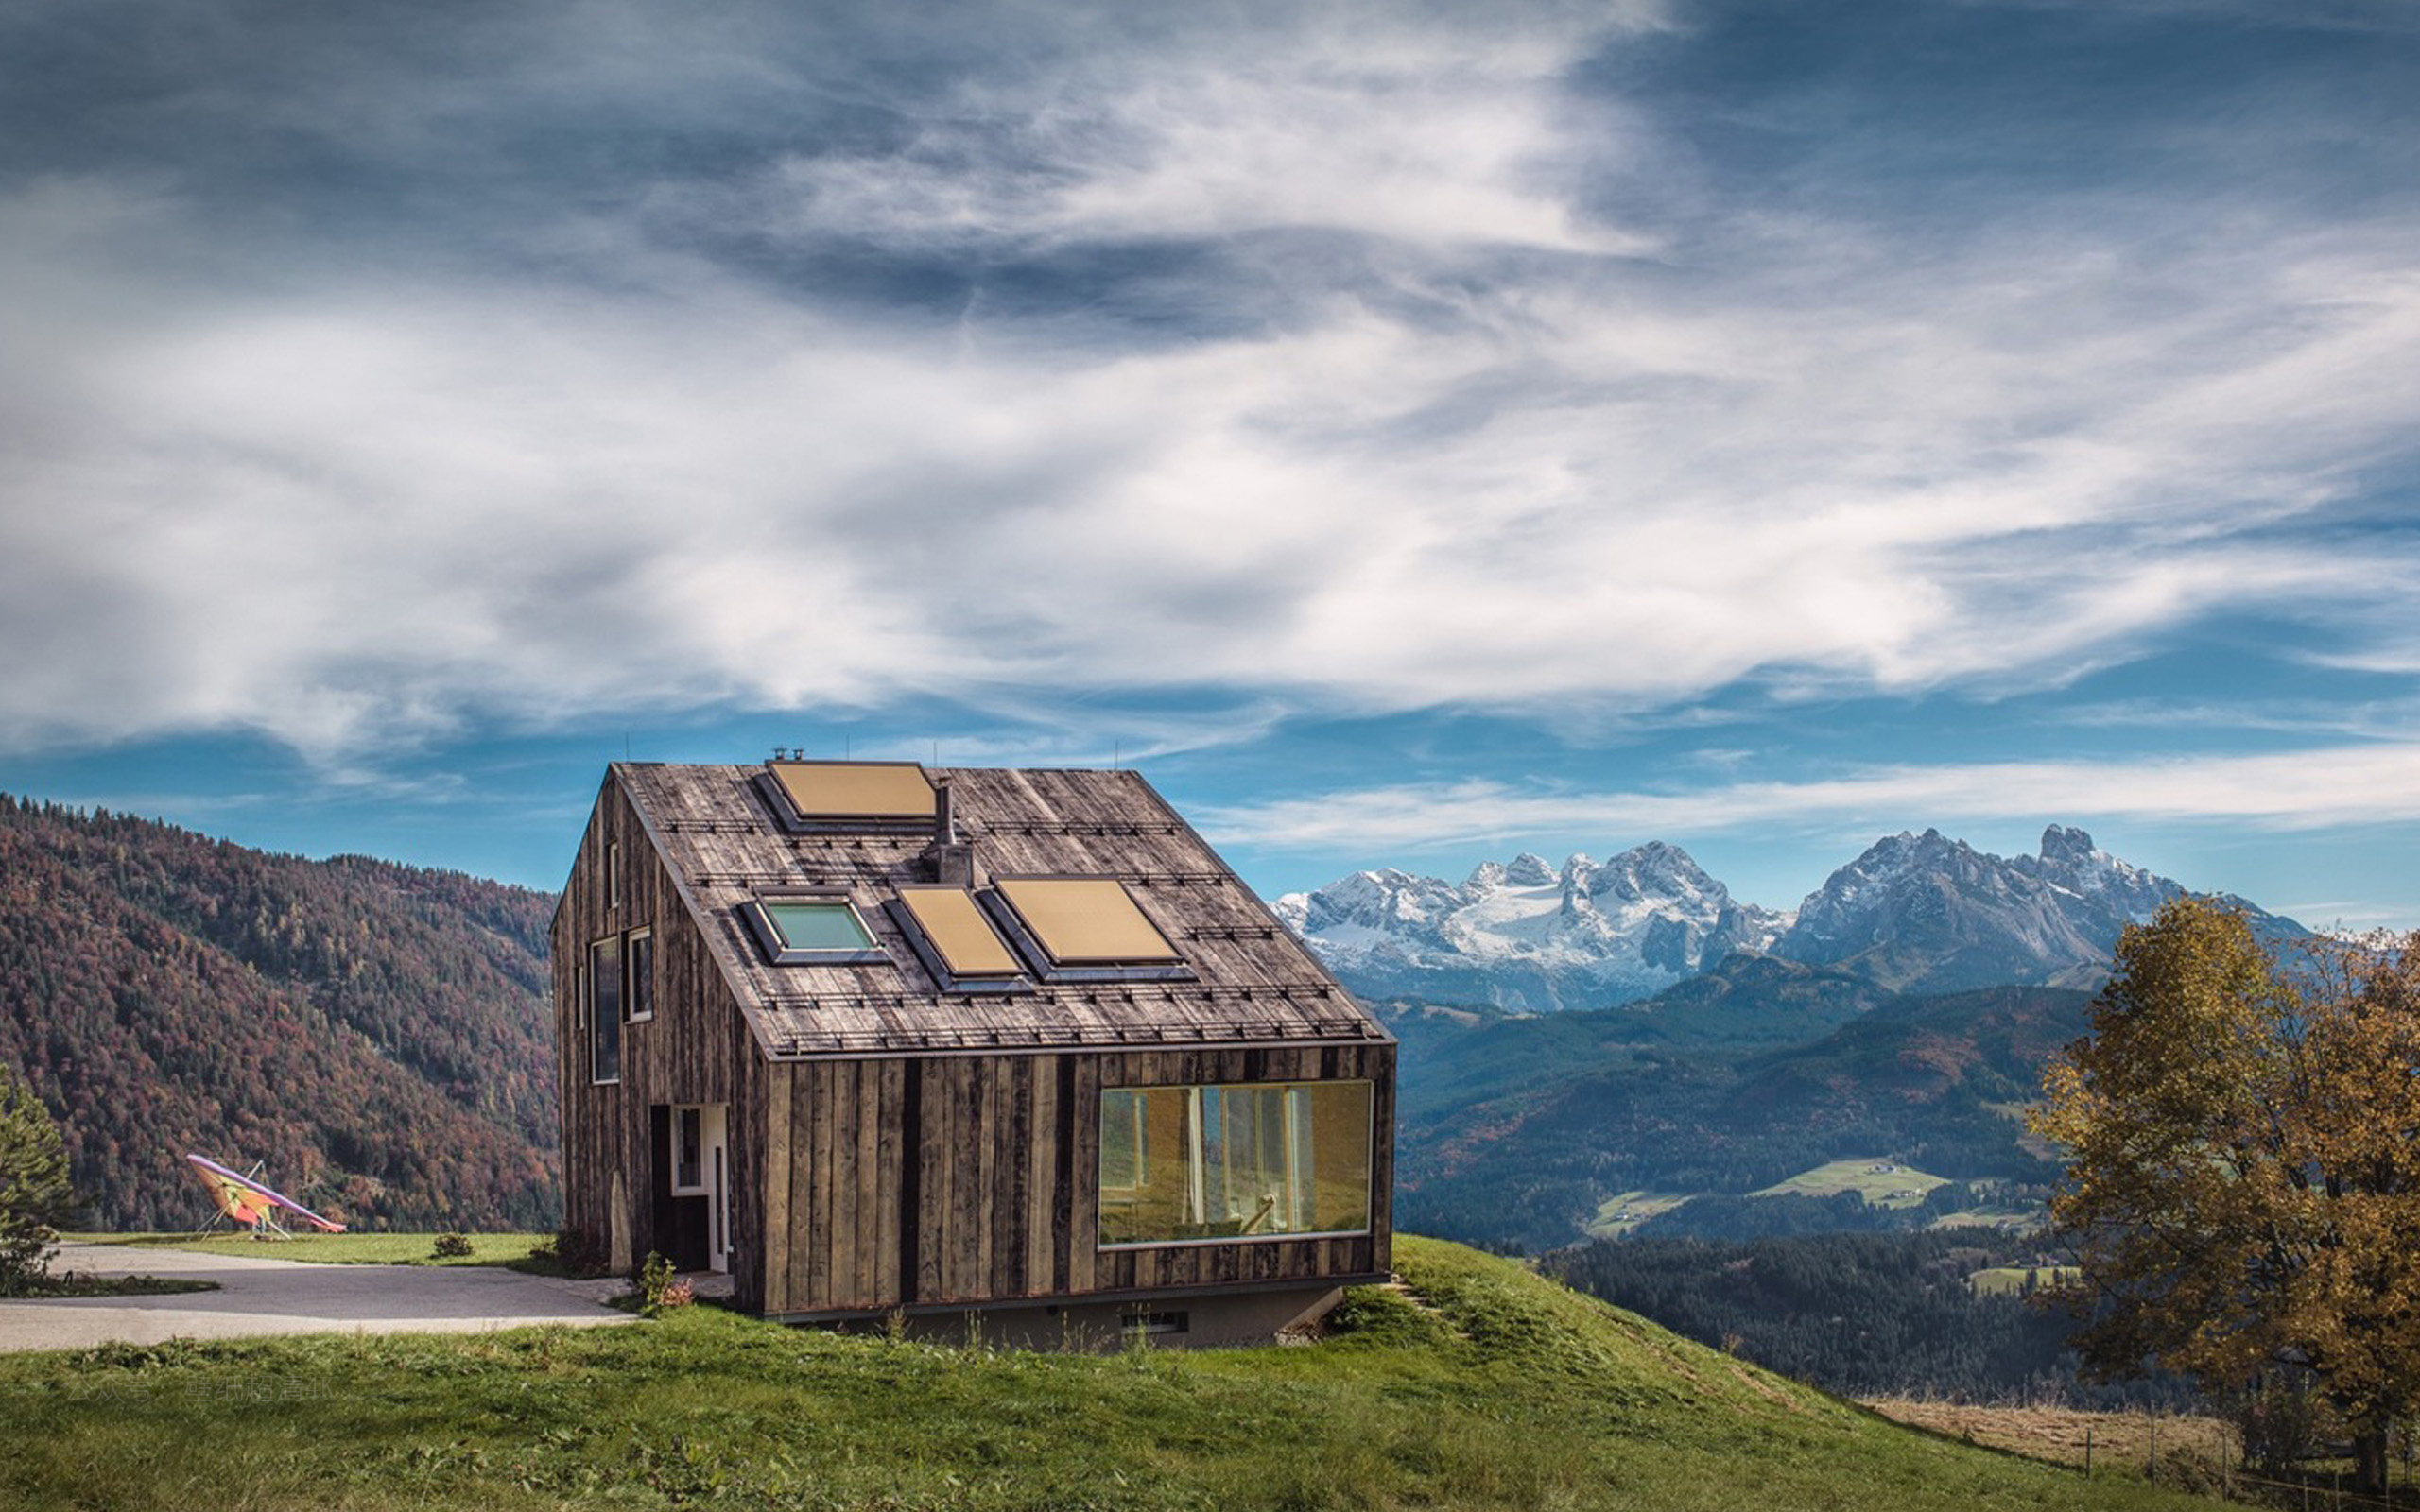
{"x": 876, "y": 1039}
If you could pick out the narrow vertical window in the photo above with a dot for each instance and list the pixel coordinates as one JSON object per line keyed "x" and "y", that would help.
{"x": 688, "y": 1152}
{"x": 612, "y": 874}
{"x": 640, "y": 995}
{"x": 605, "y": 1010}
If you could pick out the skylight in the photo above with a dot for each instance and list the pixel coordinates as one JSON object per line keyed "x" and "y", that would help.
{"x": 1086, "y": 921}
{"x": 811, "y": 930}
{"x": 853, "y": 792}
{"x": 962, "y": 941}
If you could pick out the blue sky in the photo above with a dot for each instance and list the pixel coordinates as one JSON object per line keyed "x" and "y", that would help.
{"x": 1408, "y": 433}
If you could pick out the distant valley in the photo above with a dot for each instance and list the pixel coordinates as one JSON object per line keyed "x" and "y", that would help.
{"x": 1524, "y": 1132}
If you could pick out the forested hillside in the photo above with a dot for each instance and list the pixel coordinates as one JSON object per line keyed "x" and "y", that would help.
{"x": 1862, "y": 1314}
{"x": 1513, "y": 1130}
{"x": 377, "y": 1034}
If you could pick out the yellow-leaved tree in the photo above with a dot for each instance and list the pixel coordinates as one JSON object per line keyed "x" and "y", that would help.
{"x": 2243, "y": 1181}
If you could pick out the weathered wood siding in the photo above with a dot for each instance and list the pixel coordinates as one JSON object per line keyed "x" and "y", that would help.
{"x": 695, "y": 1049}
{"x": 936, "y": 1179}
{"x": 955, "y": 1179}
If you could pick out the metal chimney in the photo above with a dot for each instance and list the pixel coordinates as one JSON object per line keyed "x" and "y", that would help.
{"x": 948, "y": 859}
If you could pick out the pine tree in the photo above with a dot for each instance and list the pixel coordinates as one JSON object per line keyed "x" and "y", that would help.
{"x": 35, "y": 1196}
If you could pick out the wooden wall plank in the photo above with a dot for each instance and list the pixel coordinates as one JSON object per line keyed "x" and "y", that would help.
{"x": 820, "y": 1253}
{"x": 865, "y": 1206}
{"x": 803, "y": 1234}
{"x": 773, "y": 1246}
{"x": 932, "y": 1186}
{"x": 1083, "y": 1229}
{"x": 893, "y": 1075}
{"x": 1041, "y": 1170}
{"x": 964, "y": 1238}
{"x": 844, "y": 1185}
{"x": 984, "y": 1207}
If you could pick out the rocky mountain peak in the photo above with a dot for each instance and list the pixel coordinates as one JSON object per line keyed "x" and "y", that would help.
{"x": 2064, "y": 845}
{"x": 1530, "y": 869}
{"x": 1526, "y": 934}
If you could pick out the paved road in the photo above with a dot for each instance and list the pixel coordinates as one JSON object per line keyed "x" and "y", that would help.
{"x": 258, "y": 1295}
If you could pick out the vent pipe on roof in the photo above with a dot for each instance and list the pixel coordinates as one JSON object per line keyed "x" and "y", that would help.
{"x": 948, "y": 859}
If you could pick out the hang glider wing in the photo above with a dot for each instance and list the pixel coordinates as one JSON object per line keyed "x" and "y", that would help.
{"x": 245, "y": 1200}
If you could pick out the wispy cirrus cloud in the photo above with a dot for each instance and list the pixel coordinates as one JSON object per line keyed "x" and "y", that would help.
{"x": 1336, "y": 359}
{"x": 2300, "y": 790}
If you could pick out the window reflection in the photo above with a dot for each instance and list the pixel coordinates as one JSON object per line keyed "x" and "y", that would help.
{"x": 1235, "y": 1161}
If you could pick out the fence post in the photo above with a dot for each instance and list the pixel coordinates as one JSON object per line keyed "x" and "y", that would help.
{"x": 2087, "y": 1451}
{"x": 2150, "y": 1465}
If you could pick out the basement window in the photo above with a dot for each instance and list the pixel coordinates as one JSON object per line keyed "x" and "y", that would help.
{"x": 1183, "y": 1165}
{"x": 816, "y": 930}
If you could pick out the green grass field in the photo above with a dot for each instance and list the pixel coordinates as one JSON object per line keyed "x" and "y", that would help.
{"x": 2010, "y": 1280}
{"x": 1494, "y": 1389}
{"x": 335, "y": 1249}
{"x": 1619, "y": 1214}
{"x": 2007, "y": 1217}
{"x": 1882, "y": 1183}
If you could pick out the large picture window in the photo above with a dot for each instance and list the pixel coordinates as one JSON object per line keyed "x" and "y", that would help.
{"x": 605, "y": 1010}
{"x": 1200, "y": 1165}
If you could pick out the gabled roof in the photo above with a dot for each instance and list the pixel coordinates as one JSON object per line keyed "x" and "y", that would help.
{"x": 1251, "y": 982}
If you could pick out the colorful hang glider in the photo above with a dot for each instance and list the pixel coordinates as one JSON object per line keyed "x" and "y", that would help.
{"x": 245, "y": 1200}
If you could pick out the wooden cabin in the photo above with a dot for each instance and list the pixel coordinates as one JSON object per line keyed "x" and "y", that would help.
{"x": 881, "y": 1040}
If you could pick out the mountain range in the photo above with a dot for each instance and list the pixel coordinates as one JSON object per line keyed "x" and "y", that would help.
{"x": 1914, "y": 913}
{"x": 379, "y": 1035}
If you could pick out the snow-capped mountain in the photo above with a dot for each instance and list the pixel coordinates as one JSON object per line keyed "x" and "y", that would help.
{"x": 1925, "y": 913}
{"x": 1526, "y": 934}
{"x": 1914, "y": 913}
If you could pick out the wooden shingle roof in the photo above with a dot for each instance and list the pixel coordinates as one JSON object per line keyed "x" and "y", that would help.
{"x": 1252, "y": 981}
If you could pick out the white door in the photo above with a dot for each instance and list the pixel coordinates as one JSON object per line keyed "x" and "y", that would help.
{"x": 717, "y": 1188}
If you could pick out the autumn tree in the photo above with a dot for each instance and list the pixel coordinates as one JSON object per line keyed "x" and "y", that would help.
{"x": 2243, "y": 1186}
{"x": 35, "y": 1197}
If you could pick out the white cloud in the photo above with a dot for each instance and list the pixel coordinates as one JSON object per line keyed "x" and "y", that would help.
{"x": 2287, "y": 791}
{"x": 347, "y": 508}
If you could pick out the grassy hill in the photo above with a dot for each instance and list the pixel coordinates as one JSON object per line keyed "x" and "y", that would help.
{"x": 378, "y": 1034}
{"x": 1498, "y": 1390}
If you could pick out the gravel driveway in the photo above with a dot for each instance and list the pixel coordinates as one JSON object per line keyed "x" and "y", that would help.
{"x": 258, "y": 1295}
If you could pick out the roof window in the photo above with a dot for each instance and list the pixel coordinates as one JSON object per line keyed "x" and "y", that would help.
{"x": 811, "y": 930}
{"x": 955, "y": 941}
{"x": 1083, "y": 928}
{"x": 850, "y": 794}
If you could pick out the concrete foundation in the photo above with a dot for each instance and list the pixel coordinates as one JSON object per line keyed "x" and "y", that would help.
{"x": 1199, "y": 1321}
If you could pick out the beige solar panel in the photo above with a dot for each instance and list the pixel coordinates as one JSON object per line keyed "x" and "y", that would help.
{"x": 958, "y": 932}
{"x": 855, "y": 790}
{"x": 1086, "y": 921}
